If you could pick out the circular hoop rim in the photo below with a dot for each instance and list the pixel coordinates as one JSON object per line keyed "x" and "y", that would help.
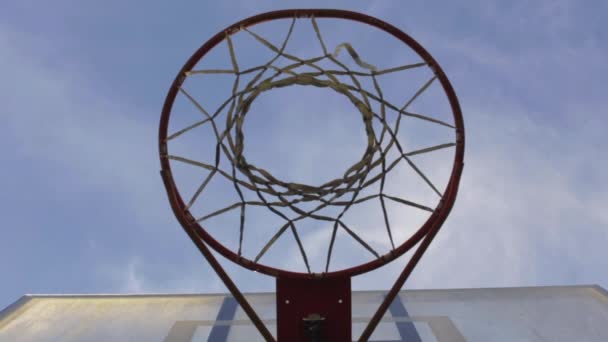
{"x": 193, "y": 228}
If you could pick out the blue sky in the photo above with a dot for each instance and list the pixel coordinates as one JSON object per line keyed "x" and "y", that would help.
{"x": 84, "y": 210}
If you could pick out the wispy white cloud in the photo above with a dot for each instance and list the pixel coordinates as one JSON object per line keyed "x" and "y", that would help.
{"x": 133, "y": 275}
{"x": 530, "y": 209}
{"x": 53, "y": 117}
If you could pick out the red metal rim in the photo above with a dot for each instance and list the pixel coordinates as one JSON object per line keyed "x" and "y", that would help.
{"x": 436, "y": 219}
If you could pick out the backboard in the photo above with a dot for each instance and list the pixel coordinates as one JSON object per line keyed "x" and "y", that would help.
{"x": 565, "y": 313}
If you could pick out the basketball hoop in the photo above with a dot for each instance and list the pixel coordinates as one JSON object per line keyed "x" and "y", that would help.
{"x": 315, "y": 302}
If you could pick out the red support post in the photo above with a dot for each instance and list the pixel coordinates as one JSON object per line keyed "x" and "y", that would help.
{"x": 304, "y": 305}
